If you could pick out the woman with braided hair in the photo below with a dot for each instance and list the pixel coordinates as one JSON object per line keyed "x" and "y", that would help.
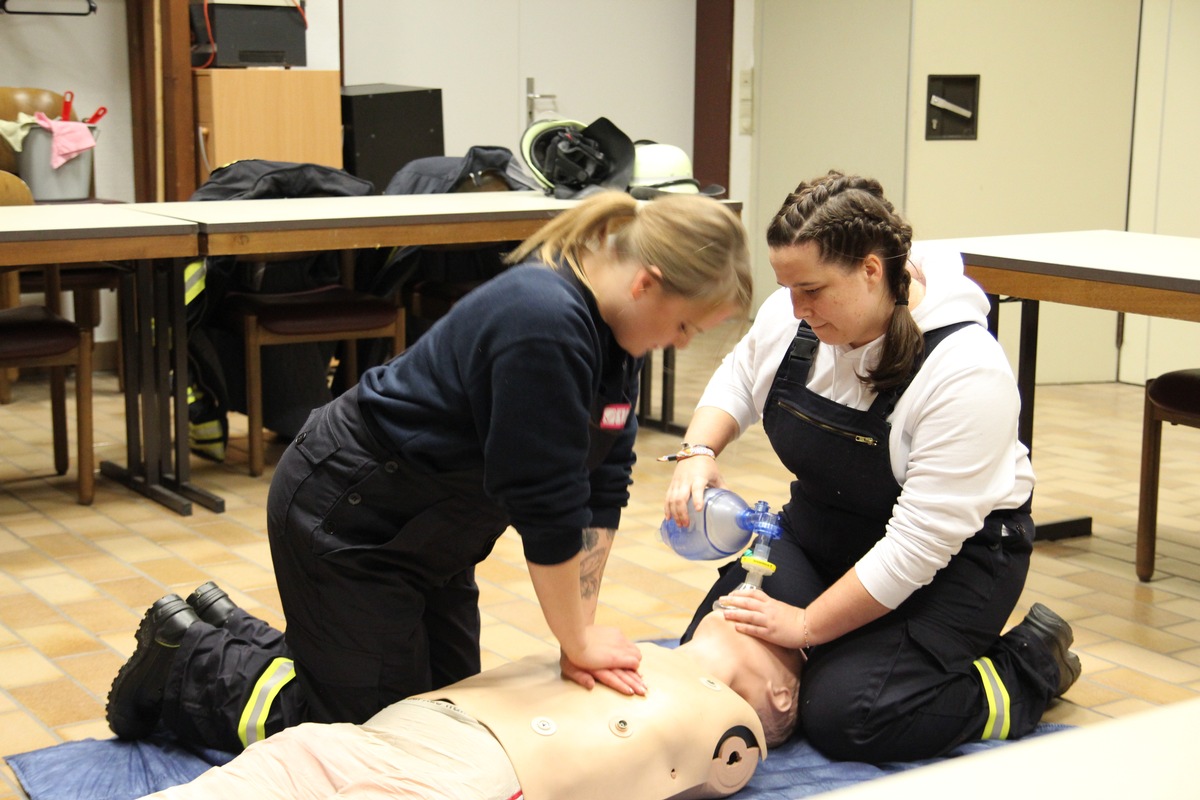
{"x": 907, "y": 536}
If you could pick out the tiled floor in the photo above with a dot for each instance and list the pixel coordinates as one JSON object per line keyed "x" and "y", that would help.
{"x": 75, "y": 581}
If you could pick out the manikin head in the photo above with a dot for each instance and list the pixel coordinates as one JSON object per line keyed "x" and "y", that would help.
{"x": 766, "y": 675}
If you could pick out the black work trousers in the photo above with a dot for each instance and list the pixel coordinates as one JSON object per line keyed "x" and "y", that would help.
{"x": 375, "y": 563}
{"x": 906, "y": 687}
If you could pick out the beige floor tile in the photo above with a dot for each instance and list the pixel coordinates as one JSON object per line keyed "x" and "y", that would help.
{"x": 60, "y": 639}
{"x": 95, "y": 671}
{"x": 133, "y": 592}
{"x": 24, "y": 666}
{"x": 63, "y": 545}
{"x": 1156, "y": 641}
{"x": 32, "y": 526}
{"x": 58, "y": 703}
{"x": 98, "y": 567}
{"x": 61, "y": 588}
{"x": 102, "y": 616}
{"x": 1142, "y": 685}
{"x": 132, "y": 549}
{"x": 1125, "y": 708}
{"x": 91, "y": 729}
{"x": 28, "y": 563}
{"x": 20, "y": 733}
{"x": 229, "y": 533}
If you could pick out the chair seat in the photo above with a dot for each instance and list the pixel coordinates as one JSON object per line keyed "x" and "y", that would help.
{"x": 74, "y": 279}
{"x": 329, "y": 309}
{"x": 1177, "y": 391}
{"x": 35, "y": 332}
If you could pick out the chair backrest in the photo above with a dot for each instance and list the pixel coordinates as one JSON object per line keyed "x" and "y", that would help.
{"x": 14, "y": 191}
{"x": 15, "y": 99}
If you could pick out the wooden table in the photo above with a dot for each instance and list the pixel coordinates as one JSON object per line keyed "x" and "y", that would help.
{"x": 1138, "y": 273}
{"x": 241, "y": 227}
{"x": 236, "y": 227}
{"x": 144, "y": 245}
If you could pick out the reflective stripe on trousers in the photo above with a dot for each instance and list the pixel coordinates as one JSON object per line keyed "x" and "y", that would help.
{"x": 252, "y": 725}
{"x": 193, "y": 280}
{"x": 998, "y": 721}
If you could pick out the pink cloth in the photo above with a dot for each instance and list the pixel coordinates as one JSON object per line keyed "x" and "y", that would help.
{"x": 69, "y": 138}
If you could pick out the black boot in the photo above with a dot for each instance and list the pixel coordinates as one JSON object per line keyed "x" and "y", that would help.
{"x": 1053, "y": 632}
{"x": 135, "y": 700}
{"x": 212, "y": 604}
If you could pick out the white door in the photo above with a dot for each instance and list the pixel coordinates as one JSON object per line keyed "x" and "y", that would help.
{"x": 831, "y": 93}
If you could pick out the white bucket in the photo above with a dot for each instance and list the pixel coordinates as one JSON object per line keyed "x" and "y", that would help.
{"x": 71, "y": 181}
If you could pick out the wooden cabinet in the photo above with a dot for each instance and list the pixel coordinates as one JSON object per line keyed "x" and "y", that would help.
{"x": 274, "y": 114}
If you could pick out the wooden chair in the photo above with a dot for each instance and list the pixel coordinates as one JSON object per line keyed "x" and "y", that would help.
{"x": 326, "y": 314}
{"x": 38, "y": 336}
{"x": 84, "y": 281}
{"x": 1173, "y": 397}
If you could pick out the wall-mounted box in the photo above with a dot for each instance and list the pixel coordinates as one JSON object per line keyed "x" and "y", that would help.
{"x": 952, "y": 107}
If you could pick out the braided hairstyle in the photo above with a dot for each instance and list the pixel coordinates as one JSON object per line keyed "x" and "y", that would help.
{"x": 848, "y": 218}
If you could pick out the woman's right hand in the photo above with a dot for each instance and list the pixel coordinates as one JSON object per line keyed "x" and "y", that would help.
{"x": 692, "y": 476}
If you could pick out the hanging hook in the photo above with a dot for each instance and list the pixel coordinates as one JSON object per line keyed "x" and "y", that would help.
{"x": 91, "y": 9}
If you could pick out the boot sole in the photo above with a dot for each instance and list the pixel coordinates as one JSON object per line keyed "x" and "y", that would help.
{"x": 126, "y": 693}
{"x": 1068, "y": 663}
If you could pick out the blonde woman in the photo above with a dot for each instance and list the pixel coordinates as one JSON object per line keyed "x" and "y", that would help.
{"x": 516, "y": 408}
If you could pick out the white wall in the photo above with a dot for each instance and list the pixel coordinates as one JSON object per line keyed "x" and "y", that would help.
{"x": 1055, "y": 131}
{"x": 629, "y": 60}
{"x": 88, "y": 56}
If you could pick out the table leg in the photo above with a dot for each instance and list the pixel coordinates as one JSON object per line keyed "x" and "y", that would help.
{"x": 147, "y": 383}
{"x": 645, "y": 389}
{"x": 1026, "y": 386}
{"x": 666, "y": 421}
{"x": 171, "y": 286}
{"x": 162, "y": 373}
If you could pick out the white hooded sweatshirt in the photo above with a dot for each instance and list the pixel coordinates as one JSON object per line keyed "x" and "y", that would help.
{"x": 953, "y": 444}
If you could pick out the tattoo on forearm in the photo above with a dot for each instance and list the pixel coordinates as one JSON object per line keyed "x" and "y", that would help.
{"x": 591, "y": 565}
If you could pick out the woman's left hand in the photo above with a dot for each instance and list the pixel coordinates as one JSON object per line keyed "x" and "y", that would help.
{"x": 607, "y": 657}
{"x": 625, "y": 681}
{"x": 754, "y": 613}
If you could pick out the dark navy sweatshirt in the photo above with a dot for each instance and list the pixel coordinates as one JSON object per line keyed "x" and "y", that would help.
{"x": 508, "y": 384}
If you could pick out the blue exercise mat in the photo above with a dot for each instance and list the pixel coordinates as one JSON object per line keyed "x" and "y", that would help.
{"x": 796, "y": 770}
{"x": 111, "y": 769}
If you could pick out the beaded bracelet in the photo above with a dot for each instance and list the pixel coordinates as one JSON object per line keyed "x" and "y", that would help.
{"x": 688, "y": 450}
